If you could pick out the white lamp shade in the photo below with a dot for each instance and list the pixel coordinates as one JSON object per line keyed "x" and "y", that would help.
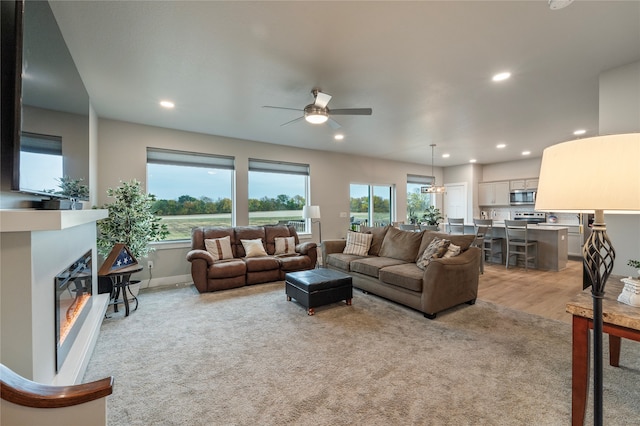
{"x": 599, "y": 173}
{"x": 311, "y": 212}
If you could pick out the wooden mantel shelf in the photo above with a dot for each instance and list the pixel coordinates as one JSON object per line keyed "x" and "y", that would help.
{"x": 21, "y": 220}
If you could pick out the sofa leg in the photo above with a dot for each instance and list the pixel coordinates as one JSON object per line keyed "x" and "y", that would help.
{"x": 311, "y": 311}
{"x": 430, "y": 316}
{"x": 471, "y": 302}
{"x": 348, "y": 302}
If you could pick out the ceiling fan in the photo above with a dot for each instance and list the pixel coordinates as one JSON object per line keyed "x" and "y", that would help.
{"x": 318, "y": 112}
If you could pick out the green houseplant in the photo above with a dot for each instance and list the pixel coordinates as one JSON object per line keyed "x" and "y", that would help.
{"x": 72, "y": 189}
{"x": 131, "y": 221}
{"x": 634, "y": 264}
{"x": 432, "y": 216}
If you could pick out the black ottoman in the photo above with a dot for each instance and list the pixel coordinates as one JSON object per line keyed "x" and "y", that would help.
{"x": 318, "y": 287}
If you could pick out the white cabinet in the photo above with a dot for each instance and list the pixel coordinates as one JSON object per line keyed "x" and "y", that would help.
{"x": 523, "y": 184}
{"x": 575, "y": 241}
{"x": 493, "y": 194}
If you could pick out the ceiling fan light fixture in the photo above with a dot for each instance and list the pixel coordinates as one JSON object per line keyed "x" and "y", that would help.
{"x": 315, "y": 115}
{"x": 316, "y": 118}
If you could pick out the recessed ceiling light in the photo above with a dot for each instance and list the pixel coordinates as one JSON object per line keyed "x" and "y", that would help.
{"x": 338, "y": 137}
{"x": 473, "y": 160}
{"x": 501, "y": 76}
{"x": 501, "y": 145}
{"x": 446, "y": 155}
{"x": 559, "y": 4}
{"x": 526, "y": 152}
{"x": 579, "y": 132}
{"x": 167, "y": 104}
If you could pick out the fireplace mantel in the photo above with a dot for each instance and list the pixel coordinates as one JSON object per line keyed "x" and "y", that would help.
{"x": 34, "y": 246}
{"x": 20, "y": 220}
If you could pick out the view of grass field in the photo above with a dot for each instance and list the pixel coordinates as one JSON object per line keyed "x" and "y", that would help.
{"x": 180, "y": 226}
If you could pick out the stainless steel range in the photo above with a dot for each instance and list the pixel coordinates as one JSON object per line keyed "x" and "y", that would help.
{"x": 530, "y": 217}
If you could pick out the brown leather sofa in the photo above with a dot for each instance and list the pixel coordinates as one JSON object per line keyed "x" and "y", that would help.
{"x": 213, "y": 275}
{"x": 389, "y": 269}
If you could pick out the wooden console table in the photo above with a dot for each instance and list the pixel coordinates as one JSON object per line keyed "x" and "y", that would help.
{"x": 619, "y": 320}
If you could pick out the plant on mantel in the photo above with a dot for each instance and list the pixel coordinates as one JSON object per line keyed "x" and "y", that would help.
{"x": 131, "y": 221}
{"x": 73, "y": 188}
{"x": 635, "y": 264}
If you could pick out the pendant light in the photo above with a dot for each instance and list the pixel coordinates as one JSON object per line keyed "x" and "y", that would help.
{"x": 433, "y": 189}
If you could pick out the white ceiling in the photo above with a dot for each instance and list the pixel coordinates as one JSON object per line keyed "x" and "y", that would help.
{"x": 424, "y": 67}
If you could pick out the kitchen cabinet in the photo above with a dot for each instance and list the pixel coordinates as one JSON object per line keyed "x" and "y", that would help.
{"x": 575, "y": 241}
{"x": 522, "y": 184}
{"x": 493, "y": 194}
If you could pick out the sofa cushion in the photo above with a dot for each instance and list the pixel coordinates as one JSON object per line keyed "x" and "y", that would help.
{"x": 285, "y": 245}
{"x": 262, "y": 263}
{"x": 341, "y": 261}
{"x": 199, "y": 234}
{"x": 227, "y": 269}
{"x": 435, "y": 250}
{"x": 295, "y": 263}
{"x": 245, "y": 233}
{"x": 407, "y": 275}
{"x": 272, "y": 232}
{"x": 357, "y": 243}
{"x": 219, "y": 248}
{"x": 253, "y": 248}
{"x": 464, "y": 241}
{"x": 378, "y": 233}
{"x": 371, "y": 265}
{"x": 401, "y": 245}
{"x": 452, "y": 251}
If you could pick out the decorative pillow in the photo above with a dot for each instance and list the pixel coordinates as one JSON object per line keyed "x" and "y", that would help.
{"x": 436, "y": 249}
{"x": 285, "y": 245}
{"x": 452, "y": 251}
{"x": 357, "y": 243}
{"x": 219, "y": 248}
{"x": 253, "y": 248}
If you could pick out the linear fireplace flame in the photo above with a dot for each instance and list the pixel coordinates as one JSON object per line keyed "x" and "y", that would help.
{"x": 73, "y": 303}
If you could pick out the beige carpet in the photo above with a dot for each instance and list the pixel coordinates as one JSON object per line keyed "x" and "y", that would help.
{"x": 247, "y": 357}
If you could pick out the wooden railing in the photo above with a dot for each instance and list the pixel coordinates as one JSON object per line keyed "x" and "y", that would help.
{"x": 20, "y": 391}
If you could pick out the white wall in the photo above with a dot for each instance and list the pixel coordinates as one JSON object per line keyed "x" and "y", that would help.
{"x": 522, "y": 169}
{"x": 620, "y": 113}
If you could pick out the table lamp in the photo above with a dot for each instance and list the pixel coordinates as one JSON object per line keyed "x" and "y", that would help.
{"x": 599, "y": 174}
{"x": 313, "y": 212}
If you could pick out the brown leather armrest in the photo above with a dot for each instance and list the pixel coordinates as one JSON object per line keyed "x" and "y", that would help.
{"x": 200, "y": 254}
{"x": 303, "y": 248}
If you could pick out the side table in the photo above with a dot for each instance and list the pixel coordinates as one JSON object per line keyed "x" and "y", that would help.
{"x": 121, "y": 280}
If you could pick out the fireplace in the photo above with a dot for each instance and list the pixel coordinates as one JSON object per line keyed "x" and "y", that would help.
{"x": 73, "y": 303}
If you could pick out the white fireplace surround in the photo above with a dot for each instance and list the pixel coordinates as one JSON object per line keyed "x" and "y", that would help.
{"x": 34, "y": 246}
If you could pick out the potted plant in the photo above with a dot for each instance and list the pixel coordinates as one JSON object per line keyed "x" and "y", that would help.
{"x": 635, "y": 264}
{"x": 71, "y": 189}
{"x": 432, "y": 217}
{"x": 131, "y": 221}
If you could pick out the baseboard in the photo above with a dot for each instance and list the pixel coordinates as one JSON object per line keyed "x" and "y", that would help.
{"x": 167, "y": 281}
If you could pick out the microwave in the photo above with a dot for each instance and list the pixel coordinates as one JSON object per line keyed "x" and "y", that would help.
{"x": 522, "y": 197}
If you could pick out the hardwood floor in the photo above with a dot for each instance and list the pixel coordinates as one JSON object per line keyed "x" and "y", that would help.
{"x": 537, "y": 292}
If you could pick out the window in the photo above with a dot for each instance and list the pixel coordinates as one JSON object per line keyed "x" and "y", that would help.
{"x": 277, "y": 193}
{"x": 370, "y": 204}
{"x": 417, "y": 202}
{"x": 191, "y": 189}
{"x": 40, "y": 162}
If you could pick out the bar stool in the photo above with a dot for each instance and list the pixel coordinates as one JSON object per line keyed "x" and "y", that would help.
{"x": 456, "y": 226}
{"x": 490, "y": 245}
{"x": 518, "y": 243}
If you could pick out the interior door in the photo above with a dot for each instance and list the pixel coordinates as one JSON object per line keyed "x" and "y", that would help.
{"x": 455, "y": 201}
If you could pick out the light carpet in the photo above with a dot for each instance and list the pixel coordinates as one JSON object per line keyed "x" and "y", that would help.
{"x": 247, "y": 356}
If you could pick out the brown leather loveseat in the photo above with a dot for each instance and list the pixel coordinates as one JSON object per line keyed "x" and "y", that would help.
{"x": 228, "y": 265}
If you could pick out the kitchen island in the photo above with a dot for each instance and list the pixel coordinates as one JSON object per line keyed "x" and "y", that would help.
{"x": 553, "y": 244}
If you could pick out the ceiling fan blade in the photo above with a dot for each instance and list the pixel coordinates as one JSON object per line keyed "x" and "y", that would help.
{"x": 351, "y": 111}
{"x": 333, "y": 124}
{"x": 322, "y": 99}
{"x": 277, "y": 107}
{"x": 289, "y": 122}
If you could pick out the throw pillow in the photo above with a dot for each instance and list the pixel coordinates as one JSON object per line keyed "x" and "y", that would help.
{"x": 253, "y": 248}
{"x": 357, "y": 243}
{"x": 436, "y": 249}
{"x": 452, "y": 251}
{"x": 285, "y": 245}
{"x": 219, "y": 248}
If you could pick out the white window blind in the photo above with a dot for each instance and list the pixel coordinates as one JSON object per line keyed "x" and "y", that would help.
{"x": 267, "y": 166}
{"x": 192, "y": 159}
